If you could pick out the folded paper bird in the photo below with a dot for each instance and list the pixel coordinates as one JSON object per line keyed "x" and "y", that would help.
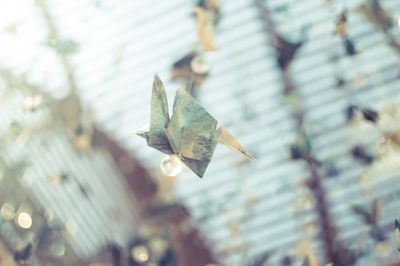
{"x": 191, "y": 133}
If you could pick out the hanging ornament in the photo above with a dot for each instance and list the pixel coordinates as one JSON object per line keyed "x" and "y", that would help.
{"x": 376, "y": 14}
{"x": 341, "y": 30}
{"x": 59, "y": 179}
{"x": 191, "y": 132}
{"x": 171, "y": 165}
{"x": 213, "y": 7}
{"x": 370, "y": 115}
{"x": 205, "y": 28}
{"x": 370, "y": 218}
{"x": 192, "y": 69}
{"x": 82, "y": 136}
{"x": 349, "y": 46}
{"x": 361, "y": 155}
{"x": 341, "y": 24}
{"x": 286, "y": 51}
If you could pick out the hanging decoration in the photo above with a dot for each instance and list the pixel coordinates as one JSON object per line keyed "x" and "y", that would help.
{"x": 212, "y": 6}
{"x": 190, "y": 134}
{"x": 385, "y": 123}
{"x": 370, "y": 218}
{"x": 360, "y": 154}
{"x": 287, "y": 50}
{"x": 193, "y": 68}
{"x": 334, "y": 249}
{"x": 341, "y": 30}
{"x": 207, "y": 15}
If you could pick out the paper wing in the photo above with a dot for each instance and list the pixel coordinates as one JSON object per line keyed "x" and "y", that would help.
{"x": 224, "y": 137}
{"x": 192, "y": 132}
{"x": 198, "y": 167}
{"x": 159, "y": 118}
{"x": 397, "y": 233}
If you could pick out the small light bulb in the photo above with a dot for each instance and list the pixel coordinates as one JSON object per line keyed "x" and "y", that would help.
{"x": 25, "y": 220}
{"x": 200, "y": 65}
{"x": 140, "y": 254}
{"x": 171, "y": 165}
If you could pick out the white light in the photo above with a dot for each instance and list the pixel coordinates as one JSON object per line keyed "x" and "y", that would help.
{"x": 171, "y": 165}
{"x": 24, "y": 220}
{"x": 200, "y": 65}
{"x": 140, "y": 254}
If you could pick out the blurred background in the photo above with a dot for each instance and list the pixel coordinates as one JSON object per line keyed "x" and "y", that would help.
{"x": 310, "y": 88}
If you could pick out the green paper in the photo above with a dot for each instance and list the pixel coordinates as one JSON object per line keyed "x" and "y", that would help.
{"x": 191, "y": 133}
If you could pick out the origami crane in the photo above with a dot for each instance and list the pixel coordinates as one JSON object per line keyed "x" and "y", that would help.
{"x": 191, "y": 132}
